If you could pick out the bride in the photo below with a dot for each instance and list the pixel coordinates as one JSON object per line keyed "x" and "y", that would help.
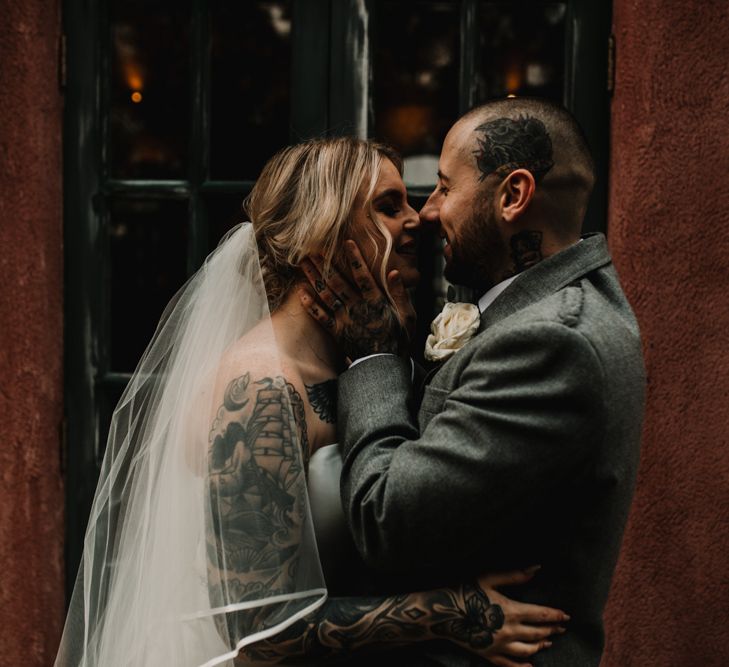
{"x": 218, "y": 504}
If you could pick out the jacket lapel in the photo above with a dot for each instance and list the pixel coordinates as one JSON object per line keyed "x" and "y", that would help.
{"x": 429, "y": 375}
{"x": 540, "y": 281}
{"x": 548, "y": 277}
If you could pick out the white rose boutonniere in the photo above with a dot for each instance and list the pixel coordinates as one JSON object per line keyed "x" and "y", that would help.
{"x": 451, "y": 330}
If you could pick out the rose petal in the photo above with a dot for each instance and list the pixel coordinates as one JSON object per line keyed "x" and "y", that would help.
{"x": 451, "y": 330}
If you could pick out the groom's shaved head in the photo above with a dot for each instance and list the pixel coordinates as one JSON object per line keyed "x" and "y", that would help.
{"x": 541, "y": 137}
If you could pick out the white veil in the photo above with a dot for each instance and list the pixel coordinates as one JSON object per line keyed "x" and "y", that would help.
{"x": 153, "y": 585}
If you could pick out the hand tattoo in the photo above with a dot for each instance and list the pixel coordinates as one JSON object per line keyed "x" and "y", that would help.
{"x": 482, "y": 619}
{"x": 372, "y": 328}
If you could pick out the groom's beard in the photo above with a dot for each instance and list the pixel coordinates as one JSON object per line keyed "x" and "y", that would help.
{"x": 475, "y": 251}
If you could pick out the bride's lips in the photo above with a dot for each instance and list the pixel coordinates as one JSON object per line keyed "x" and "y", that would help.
{"x": 410, "y": 248}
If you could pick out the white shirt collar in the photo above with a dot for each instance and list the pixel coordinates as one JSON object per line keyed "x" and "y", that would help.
{"x": 487, "y": 299}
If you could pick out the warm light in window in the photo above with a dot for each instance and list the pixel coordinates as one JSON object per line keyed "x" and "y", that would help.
{"x": 133, "y": 78}
{"x": 136, "y": 97}
{"x": 513, "y": 79}
{"x": 511, "y": 95}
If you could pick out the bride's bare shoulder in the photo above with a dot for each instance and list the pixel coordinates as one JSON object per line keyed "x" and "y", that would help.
{"x": 255, "y": 354}
{"x": 252, "y": 373}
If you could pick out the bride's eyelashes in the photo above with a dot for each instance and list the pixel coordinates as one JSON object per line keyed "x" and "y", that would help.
{"x": 389, "y": 207}
{"x": 389, "y": 211}
{"x": 389, "y": 203}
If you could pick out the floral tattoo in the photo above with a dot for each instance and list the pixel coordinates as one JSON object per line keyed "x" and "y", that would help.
{"x": 507, "y": 144}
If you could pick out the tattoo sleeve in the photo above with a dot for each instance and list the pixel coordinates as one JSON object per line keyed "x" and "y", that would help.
{"x": 345, "y": 625}
{"x": 255, "y": 466}
{"x": 256, "y": 486}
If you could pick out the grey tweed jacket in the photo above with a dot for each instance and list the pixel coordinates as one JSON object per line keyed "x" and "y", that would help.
{"x": 522, "y": 451}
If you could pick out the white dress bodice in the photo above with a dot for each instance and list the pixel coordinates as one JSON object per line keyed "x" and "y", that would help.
{"x": 343, "y": 568}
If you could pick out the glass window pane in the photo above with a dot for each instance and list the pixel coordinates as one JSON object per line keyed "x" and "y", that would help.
{"x": 224, "y": 213}
{"x": 521, "y": 50}
{"x": 416, "y": 80}
{"x": 251, "y": 63}
{"x": 150, "y": 88}
{"x": 148, "y": 256}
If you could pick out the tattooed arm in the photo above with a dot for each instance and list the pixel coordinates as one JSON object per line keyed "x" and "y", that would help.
{"x": 465, "y": 616}
{"x": 257, "y": 485}
{"x": 256, "y": 472}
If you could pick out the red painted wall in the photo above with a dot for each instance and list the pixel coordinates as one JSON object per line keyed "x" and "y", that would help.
{"x": 669, "y": 233}
{"x": 31, "y": 329}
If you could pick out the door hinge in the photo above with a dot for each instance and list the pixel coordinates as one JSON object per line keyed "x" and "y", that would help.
{"x": 63, "y": 446}
{"x": 611, "y": 65}
{"x": 62, "y": 63}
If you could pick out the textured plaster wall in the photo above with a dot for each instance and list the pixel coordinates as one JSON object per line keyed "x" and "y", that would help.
{"x": 669, "y": 233}
{"x": 31, "y": 328}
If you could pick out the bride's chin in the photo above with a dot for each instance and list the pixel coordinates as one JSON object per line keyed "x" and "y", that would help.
{"x": 410, "y": 278}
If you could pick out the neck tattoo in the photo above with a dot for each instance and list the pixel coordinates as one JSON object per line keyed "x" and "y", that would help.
{"x": 526, "y": 249}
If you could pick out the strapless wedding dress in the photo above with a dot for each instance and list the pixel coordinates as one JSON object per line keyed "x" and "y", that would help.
{"x": 343, "y": 568}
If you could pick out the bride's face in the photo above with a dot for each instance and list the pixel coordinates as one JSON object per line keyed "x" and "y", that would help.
{"x": 390, "y": 203}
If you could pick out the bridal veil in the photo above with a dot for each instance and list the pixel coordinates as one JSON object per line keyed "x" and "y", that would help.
{"x": 153, "y": 587}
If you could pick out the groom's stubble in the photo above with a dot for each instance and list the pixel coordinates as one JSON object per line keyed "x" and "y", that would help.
{"x": 477, "y": 251}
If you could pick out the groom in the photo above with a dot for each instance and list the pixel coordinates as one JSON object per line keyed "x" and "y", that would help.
{"x": 524, "y": 447}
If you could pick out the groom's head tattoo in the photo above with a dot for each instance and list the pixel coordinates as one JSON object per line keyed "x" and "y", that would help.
{"x": 506, "y": 144}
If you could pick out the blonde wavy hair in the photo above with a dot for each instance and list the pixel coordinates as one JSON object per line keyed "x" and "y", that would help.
{"x": 304, "y": 203}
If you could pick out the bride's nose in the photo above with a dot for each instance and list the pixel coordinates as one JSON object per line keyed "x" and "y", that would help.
{"x": 412, "y": 221}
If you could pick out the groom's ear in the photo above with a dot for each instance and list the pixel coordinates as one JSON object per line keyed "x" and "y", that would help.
{"x": 515, "y": 194}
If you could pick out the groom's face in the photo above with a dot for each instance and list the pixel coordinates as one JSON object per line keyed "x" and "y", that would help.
{"x": 461, "y": 209}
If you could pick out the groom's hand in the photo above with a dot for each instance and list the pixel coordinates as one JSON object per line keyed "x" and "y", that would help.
{"x": 361, "y": 318}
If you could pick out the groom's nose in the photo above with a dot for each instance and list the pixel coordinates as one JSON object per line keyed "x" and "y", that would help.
{"x": 429, "y": 213}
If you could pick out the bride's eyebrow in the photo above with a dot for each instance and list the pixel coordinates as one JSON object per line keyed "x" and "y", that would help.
{"x": 392, "y": 193}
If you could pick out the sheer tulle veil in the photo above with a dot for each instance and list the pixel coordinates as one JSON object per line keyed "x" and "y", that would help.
{"x": 153, "y": 588}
